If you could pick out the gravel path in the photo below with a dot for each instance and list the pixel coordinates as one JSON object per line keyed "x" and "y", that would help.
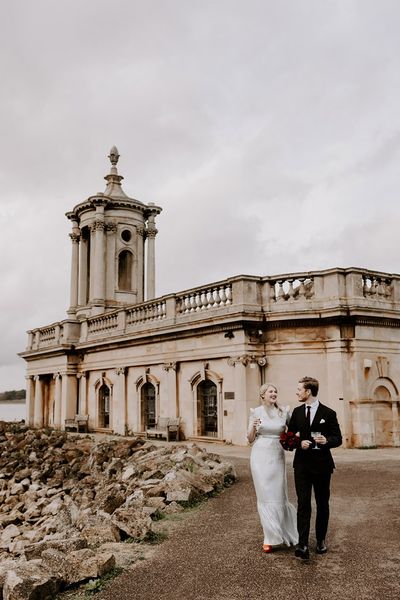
{"x": 216, "y": 553}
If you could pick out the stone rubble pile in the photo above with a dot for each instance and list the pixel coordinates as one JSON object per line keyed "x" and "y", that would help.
{"x": 67, "y": 503}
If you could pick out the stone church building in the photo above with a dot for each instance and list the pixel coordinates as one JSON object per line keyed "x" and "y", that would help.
{"x": 124, "y": 357}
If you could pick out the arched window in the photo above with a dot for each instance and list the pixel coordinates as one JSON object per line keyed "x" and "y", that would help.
{"x": 104, "y": 406}
{"x": 125, "y": 260}
{"x": 148, "y": 402}
{"x": 207, "y": 408}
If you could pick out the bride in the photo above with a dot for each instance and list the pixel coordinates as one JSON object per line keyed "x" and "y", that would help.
{"x": 267, "y": 463}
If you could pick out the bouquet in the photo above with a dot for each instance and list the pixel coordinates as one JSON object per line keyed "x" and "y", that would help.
{"x": 289, "y": 441}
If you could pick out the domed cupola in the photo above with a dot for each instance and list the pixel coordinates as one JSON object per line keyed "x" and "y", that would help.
{"x": 109, "y": 232}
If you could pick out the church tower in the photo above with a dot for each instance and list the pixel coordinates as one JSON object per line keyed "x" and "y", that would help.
{"x": 113, "y": 249}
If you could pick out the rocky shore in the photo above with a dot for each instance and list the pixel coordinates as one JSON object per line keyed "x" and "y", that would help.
{"x": 69, "y": 504}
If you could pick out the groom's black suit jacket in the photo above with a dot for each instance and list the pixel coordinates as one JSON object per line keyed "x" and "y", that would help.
{"x": 325, "y": 420}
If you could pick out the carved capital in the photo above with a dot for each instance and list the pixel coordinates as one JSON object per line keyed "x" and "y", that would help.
{"x": 98, "y": 225}
{"x": 169, "y": 365}
{"x": 141, "y": 231}
{"x": 56, "y": 375}
{"x": 247, "y": 359}
{"x": 112, "y": 227}
{"x": 151, "y": 232}
{"x": 36, "y": 377}
{"x": 74, "y": 237}
{"x": 120, "y": 370}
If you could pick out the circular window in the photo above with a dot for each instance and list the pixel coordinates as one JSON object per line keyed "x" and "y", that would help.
{"x": 126, "y": 235}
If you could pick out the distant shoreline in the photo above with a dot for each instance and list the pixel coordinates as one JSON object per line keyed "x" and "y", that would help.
{"x": 22, "y": 401}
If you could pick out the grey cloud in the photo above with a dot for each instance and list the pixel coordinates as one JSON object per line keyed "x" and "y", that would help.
{"x": 268, "y": 131}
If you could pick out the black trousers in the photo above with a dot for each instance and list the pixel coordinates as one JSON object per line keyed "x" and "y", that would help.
{"x": 305, "y": 481}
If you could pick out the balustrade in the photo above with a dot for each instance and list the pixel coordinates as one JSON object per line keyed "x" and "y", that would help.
{"x": 103, "y": 323}
{"x": 47, "y": 336}
{"x": 204, "y": 299}
{"x": 377, "y": 287}
{"x": 153, "y": 311}
{"x": 326, "y": 289}
{"x": 291, "y": 289}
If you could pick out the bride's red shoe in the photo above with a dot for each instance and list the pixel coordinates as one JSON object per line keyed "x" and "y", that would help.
{"x": 266, "y": 548}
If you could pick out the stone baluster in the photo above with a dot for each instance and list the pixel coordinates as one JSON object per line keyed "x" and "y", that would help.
{"x": 302, "y": 289}
{"x": 228, "y": 292}
{"x": 203, "y": 299}
{"x": 380, "y": 288}
{"x": 222, "y": 295}
{"x": 272, "y": 291}
{"x": 281, "y": 293}
{"x": 210, "y": 298}
{"x": 217, "y": 299}
{"x": 388, "y": 288}
{"x": 291, "y": 289}
{"x": 365, "y": 287}
{"x": 198, "y": 301}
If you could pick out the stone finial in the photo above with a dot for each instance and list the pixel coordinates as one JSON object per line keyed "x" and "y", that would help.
{"x": 113, "y": 156}
{"x": 114, "y": 189}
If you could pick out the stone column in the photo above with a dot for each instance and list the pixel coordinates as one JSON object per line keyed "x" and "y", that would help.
{"x": 57, "y": 401}
{"x": 83, "y": 409}
{"x": 83, "y": 261}
{"x": 119, "y": 412}
{"x": 173, "y": 408}
{"x": 68, "y": 397}
{"x": 111, "y": 229}
{"x": 99, "y": 282}
{"x": 151, "y": 233}
{"x": 395, "y": 428}
{"x": 131, "y": 401}
{"x": 38, "y": 410}
{"x": 92, "y": 261}
{"x": 141, "y": 235}
{"x": 30, "y": 401}
{"x": 74, "y": 273}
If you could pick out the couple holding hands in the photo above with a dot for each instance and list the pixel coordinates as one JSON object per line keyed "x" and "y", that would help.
{"x": 315, "y": 429}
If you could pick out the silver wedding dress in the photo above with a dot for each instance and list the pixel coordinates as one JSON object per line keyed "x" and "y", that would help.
{"x": 268, "y": 468}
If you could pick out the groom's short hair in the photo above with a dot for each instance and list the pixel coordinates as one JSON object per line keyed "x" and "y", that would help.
{"x": 310, "y": 383}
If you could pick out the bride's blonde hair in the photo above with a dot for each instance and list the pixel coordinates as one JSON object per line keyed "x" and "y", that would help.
{"x": 263, "y": 389}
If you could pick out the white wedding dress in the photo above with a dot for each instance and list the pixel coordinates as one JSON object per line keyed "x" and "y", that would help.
{"x": 268, "y": 468}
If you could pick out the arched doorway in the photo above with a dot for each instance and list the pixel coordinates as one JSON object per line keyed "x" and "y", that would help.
{"x": 383, "y": 416}
{"x": 148, "y": 404}
{"x": 207, "y": 408}
{"x": 104, "y": 406}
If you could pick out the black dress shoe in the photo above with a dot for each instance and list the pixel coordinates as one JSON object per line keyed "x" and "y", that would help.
{"x": 321, "y": 547}
{"x": 302, "y": 552}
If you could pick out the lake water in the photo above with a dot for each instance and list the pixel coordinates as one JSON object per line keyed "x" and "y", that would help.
{"x": 12, "y": 411}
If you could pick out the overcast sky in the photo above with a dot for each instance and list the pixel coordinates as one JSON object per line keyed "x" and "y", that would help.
{"x": 268, "y": 130}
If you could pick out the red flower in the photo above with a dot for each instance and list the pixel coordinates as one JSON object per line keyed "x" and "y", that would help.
{"x": 289, "y": 441}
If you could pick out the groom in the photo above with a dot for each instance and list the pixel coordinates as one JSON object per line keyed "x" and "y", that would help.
{"x": 313, "y": 463}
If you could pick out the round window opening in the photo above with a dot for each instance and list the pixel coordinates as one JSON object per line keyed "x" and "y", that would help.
{"x": 126, "y": 235}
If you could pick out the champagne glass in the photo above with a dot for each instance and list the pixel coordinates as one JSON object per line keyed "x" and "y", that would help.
{"x": 314, "y": 434}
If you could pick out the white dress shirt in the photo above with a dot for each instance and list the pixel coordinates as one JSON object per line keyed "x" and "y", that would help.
{"x": 314, "y": 407}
